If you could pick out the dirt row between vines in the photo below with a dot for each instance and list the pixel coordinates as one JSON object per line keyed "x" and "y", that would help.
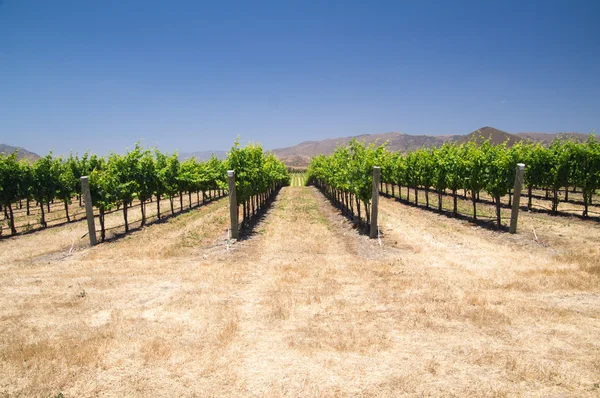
{"x": 304, "y": 306}
{"x": 57, "y": 216}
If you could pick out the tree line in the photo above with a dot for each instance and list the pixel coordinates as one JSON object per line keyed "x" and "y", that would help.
{"x": 472, "y": 167}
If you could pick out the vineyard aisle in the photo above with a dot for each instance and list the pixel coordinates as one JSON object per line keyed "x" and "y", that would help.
{"x": 298, "y": 276}
{"x": 304, "y": 306}
{"x": 443, "y": 308}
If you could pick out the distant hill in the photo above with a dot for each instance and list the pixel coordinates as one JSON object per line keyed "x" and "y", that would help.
{"x": 21, "y": 153}
{"x": 299, "y": 155}
{"x": 489, "y": 133}
{"x": 547, "y": 138}
{"x": 498, "y": 136}
{"x": 202, "y": 155}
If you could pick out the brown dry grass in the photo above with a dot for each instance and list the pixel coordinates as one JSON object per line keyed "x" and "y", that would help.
{"x": 304, "y": 307}
{"x": 57, "y": 216}
{"x": 487, "y": 211}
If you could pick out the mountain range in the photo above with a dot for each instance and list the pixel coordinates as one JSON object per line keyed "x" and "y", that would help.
{"x": 21, "y": 152}
{"x": 202, "y": 156}
{"x": 299, "y": 155}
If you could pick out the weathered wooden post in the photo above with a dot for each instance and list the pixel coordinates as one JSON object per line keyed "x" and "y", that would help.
{"x": 89, "y": 210}
{"x": 375, "y": 201}
{"x": 233, "y": 209}
{"x": 514, "y": 215}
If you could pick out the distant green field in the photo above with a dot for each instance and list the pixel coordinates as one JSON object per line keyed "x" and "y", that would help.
{"x": 298, "y": 179}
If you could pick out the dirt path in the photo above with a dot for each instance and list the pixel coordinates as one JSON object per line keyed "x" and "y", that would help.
{"x": 304, "y": 306}
{"x": 285, "y": 286}
{"x": 442, "y": 308}
{"x": 103, "y": 313}
{"x": 534, "y": 304}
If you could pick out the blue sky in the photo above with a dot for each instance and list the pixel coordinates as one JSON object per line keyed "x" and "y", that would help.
{"x": 193, "y": 75}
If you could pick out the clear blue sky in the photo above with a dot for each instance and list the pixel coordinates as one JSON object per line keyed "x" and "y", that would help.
{"x": 192, "y": 75}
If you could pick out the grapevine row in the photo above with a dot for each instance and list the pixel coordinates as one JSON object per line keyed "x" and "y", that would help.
{"x": 258, "y": 178}
{"x": 347, "y": 173}
{"x": 346, "y": 176}
{"x": 140, "y": 174}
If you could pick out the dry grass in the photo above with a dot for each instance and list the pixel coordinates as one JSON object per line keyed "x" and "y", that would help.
{"x": 304, "y": 307}
{"x": 57, "y": 215}
{"x": 486, "y": 211}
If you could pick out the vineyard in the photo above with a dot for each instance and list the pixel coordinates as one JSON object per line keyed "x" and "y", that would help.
{"x": 411, "y": 208}
{"x": 565, "y": 171}
{"x": 298, "y": 178}
{"x": 48, "y": 192}
{"x": 303, "y": 303}
{"x": 257, "y": 178}
{"x": 304, "y": 306}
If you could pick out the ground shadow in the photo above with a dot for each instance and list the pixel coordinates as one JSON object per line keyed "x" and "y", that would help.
{"x": 562, "y": 200}
{"x": 361, "y": 226}
{"x": 560, "y": 214}
{"x": 248, "y": 230}
{"x": 482, "y": 223}
{"x": 153, "y": 220}
{"x": 40, "y": 228}
{"x": 488, "y": 223}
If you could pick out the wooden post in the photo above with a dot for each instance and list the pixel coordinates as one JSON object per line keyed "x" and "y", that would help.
{"x": 514, "y": 215}
{"x": 89, "y": 210}
{"x": 233, "y": 209}
{"x": 375, "y": 201}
